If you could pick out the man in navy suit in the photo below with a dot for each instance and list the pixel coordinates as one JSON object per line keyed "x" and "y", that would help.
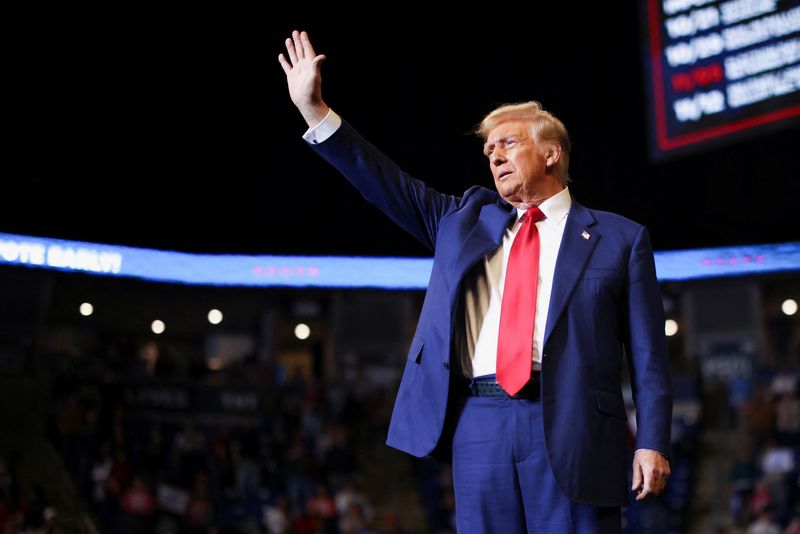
{"x": 515, "y": 369}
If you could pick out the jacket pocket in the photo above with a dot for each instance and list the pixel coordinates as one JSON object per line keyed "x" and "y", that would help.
{"x": 415, "y": 352}
{"x": 611, "y": 403}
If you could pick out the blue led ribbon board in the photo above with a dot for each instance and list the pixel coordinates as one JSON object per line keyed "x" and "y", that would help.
{"x": 334, "y": 271}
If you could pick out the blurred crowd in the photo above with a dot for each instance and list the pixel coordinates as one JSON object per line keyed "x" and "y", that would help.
{"x": 296, "y": 463}
{"x": 764, "y": 477}
{"x": 291, "y": 468}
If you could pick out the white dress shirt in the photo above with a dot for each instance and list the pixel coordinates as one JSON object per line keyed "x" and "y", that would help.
{"x": 551, "y": 229}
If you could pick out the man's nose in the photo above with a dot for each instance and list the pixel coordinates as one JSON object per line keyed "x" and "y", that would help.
{"x": 498, "y": 156}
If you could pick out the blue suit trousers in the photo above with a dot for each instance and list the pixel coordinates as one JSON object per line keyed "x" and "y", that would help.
{"x": 503, "y": 479}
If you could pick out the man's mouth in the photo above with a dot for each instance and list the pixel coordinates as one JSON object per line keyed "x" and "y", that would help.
{"x": 503, "y": 174}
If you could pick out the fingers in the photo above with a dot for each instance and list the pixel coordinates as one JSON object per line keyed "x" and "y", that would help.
{"x": 285, "y": 64}
{"x": 308, "y": 50}
{"x": 637, "y": 477}
{"x": 645, "y": 491}
{"x": 298, "y": 47}
{"x": 319, "y": 59}
{"x": 290, "y": 50}
{"x": 650, "y": 474}
{"x": 652, "y": 485}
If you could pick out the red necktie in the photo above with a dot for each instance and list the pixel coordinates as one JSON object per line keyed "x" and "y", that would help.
{"x": 518, "y": 312}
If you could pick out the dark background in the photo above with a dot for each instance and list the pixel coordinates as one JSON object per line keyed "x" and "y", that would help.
{"x": 175, "y": 130}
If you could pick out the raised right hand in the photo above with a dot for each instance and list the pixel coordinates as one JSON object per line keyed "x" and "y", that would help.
{"x": 304, "y": 78}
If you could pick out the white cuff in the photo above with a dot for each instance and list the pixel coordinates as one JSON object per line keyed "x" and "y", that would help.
{"x": 323, "y": 129}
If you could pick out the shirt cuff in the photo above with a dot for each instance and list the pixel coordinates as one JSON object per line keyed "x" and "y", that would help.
{"x": 323, "y": 129}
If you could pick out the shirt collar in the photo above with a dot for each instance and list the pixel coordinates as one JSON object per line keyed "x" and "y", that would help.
{"x": 554, "y": 208}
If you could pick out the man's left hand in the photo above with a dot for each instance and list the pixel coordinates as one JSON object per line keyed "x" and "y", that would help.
{"x": 650, "y": 473}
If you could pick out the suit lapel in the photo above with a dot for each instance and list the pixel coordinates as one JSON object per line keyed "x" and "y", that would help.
{"x": 485, "y": 236}
{"x": 573, "y": 254}
{"x": 577, "y": 245}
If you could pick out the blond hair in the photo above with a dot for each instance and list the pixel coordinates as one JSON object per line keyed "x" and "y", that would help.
{"x": 545, "y": 127}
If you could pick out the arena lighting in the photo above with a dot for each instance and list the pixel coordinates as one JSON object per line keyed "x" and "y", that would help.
{"x": 789, "y": 306}
{"x": 158, "y": 327}
{"x": 670, "y": 327}
{"x": 302, "y": 331}
{"x": 214, "y": 316}
{"x": 338, "y": 271}
{"x": 86, "y": 309}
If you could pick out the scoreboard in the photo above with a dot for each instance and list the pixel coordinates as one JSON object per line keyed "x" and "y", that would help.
{"x": 719, "y": 70}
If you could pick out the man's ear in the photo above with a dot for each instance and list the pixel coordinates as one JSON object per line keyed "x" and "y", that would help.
{"x": 552, "y": 155}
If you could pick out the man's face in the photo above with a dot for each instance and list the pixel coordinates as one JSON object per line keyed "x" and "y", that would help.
{"x": 517, "y": 162}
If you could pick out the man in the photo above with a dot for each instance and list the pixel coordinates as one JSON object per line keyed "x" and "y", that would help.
{"x": 514, "y": 371}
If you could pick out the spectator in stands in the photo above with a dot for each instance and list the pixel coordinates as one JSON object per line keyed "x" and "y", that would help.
{"x": 742, "y": 480}
{"x": 776, "y": 460}
{"x": 793, "y": 527}
{"x": 761, "y": 498}
{"x": 276, "y": 517}
{"x": 352, "y": 521}
{"x": 138, "y": 505}
{"x": 764, "y": 524}
{"x": 787, "y": 419}
{"x": 759, "y": 414}
{"x": 199, "y": 509}
{"x": 346, "y": 497}
{"x": 784, "y": 382}
{"x": 323, "y": 506}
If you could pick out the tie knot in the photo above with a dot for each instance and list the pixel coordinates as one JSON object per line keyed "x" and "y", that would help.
{"x": 535, "y": 214}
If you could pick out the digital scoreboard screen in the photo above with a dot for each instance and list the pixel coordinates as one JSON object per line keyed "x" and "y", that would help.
{"x": 718, "y": 70}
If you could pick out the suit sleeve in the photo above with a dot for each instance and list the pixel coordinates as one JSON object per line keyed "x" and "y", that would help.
{"x": 646, "y": 348}
{"x": 409, "y": 202}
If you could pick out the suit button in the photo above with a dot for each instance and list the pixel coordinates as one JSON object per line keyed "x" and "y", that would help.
{"x": 446, "y": 365}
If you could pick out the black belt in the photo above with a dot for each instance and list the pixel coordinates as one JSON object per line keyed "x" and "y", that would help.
{"x": 488, "y": 387}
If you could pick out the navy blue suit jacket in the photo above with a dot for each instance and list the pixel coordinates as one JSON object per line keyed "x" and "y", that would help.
{"x": 605, "y": 302}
